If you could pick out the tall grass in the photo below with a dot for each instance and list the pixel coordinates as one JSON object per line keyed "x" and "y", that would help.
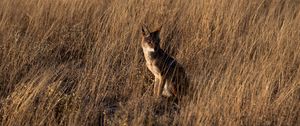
{"x": 79, "y": 62}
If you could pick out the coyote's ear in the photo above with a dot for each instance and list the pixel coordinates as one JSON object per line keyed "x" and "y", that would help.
{"x": 159, "y": 28}
{"x": 145, "y": 30}
{"x": 156, "y": 32}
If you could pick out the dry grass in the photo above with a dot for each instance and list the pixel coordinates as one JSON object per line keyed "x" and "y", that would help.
{"x": 67, "y": 62}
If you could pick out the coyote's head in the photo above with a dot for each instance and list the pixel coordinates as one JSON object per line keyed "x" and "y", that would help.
{"x": 150, "y": 40}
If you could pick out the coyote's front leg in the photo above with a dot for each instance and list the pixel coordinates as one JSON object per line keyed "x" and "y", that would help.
{"x": 156, "y": 85}
{"x": 159, "y": 86}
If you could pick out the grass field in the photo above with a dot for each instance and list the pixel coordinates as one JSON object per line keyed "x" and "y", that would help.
{"x": 79, "y": 62}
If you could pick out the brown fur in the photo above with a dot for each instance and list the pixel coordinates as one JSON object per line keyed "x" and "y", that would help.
{"x": 170, "y": 76}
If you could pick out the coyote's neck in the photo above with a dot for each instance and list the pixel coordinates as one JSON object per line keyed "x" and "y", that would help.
{"x": 150, "y": 54}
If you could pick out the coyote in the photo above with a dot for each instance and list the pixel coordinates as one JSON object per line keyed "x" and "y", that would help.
{"x": 170, "y": 76}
